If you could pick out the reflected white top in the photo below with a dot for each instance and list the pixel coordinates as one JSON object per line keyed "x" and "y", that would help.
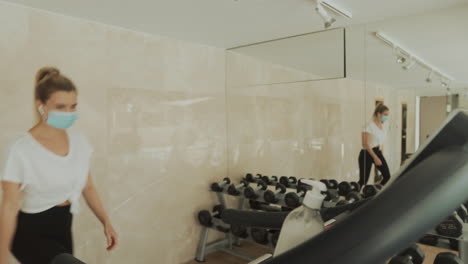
{"x": 48, "y": 179}
{"x": 377, "y": 135}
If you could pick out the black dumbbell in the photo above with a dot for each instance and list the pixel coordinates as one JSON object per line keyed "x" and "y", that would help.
{"x": 332, "y": 196}
{"x": 289, "y": 182}
{"x": 293, "y": 199}
{"x": 371, "y": 190}
{"x": 331, "y": 184}
{"x": 219, "y": 187}
{"x": 273, "y": 180}
{"x": 236, "y": 190}
{"x": 447, "y": 258}
{"x": 355, "y": 186}
{"x": 272, "y": 197}
{"x": 411, "y": 255}
{"x": 205, "y": 217}
{"x": 350, "y": 198}
{"x": 250, "y": 178}
{"x": 451, "y": 227}
{"x": 239, "y": 231}
{"x": 259, "y": 235}
{"x": 251, "y": 193}
{"x": 346, "y": 187}
{"x": 430, "y": 240}
{"x": 454, "y": 244}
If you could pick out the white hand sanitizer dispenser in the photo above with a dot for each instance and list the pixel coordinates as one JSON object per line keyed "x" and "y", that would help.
{"x": 305, "y": 221}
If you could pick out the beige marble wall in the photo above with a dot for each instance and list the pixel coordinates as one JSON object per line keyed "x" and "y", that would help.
{"x": 157, "y": 112}
{"x": 154, "y": 109}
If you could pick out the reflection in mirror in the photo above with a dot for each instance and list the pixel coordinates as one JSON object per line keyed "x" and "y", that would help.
{"x": 312, "y": 56}
{"x": 418, "y": 72}
{"x": 291, "y": 112}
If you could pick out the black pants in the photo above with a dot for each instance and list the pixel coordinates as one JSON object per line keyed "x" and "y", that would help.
{"x": 42, "y": 236}
{"x": 365, "y": 166}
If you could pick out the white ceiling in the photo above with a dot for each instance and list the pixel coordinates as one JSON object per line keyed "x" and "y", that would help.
{"x": 228, "y": 23}
{"x": 434, "y": 29}
{"x": 439, "y": 37}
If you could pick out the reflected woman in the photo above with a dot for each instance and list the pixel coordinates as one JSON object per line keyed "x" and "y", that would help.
{"x": 373, "y": 138}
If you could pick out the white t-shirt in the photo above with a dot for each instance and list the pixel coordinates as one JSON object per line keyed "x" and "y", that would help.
{"x": 377, "y": 135}
{"x": 48, "y": 179}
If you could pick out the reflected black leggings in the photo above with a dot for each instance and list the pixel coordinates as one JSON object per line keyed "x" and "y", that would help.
{"x": 365, "y": 166}
{"x": 41, "y": 237}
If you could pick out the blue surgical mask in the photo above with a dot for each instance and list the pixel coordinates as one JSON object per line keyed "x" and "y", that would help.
{"x": 384, "y": 118}
{"x": 61, "y": 120}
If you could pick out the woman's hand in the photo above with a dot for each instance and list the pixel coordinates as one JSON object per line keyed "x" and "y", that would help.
{"x": 111, "y": 235}
{"x": 377, "y": 162}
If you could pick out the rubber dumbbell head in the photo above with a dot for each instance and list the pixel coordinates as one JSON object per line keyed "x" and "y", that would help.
{"x": 353, "y": 197}
{"x": 270, "y": 196}
{"x": 447, "y": 258}
{"x": 451, "y": 227}
{"x": 415, "y": 253}
{"x": 270, "y": 180}
{"x": 259, "y": 235}
{"x": 344, "y": 188}
{"x": 205, "y": 217}
{"x": 333, "y": 184}
{"x": 239, "y": 231}
{"x": 355, "y": 186}
{"x": 454, "y": 244}
{"x": 236, "y": 189}
{"x": 288, "y": 182}
{"x": 250, "y": 178}
{"x": 251, "y": 193}
{"x": 219, "y": 187}
{"x": 370, "y": 191}
{"x": 293, "y": 199}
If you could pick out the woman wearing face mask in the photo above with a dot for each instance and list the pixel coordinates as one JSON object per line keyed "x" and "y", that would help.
{"x": 373, "y": 138}
{"x": 45, "y": 172}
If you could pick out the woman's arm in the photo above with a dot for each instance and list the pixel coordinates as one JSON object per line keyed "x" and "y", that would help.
{"x": 366, "y": 145}
{"x": 94, "y": 202}
{"x": 11, "y": 204}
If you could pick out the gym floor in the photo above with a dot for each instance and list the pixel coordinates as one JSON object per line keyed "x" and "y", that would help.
{"x": 253, "y": 249}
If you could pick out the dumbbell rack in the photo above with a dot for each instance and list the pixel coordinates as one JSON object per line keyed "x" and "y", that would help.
{"x": 462, "y": 242}
{"x": 227, "y": 243}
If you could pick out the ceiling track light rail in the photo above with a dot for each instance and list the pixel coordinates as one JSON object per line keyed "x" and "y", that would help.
{"x": 408, "y": 60}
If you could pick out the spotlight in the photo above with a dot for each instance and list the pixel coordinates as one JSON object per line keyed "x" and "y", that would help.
{"x": 409, "y": 65}
{"x": 401, "y": 59}
{"x": 429, "y": 77}
{"x": 328, "y": 20}
{"x": 444, "y": 84}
